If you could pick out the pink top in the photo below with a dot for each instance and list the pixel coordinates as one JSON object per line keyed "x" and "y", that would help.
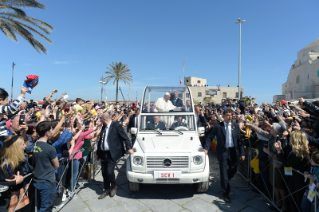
{"x": 79, "y": 144}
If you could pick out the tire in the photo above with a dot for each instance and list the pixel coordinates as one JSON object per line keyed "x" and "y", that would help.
{"x": 202, "y": 187}
{"x": 134, "y": 186}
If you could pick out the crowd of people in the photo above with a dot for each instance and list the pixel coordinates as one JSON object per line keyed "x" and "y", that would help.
{"x": 45, "y": 140}
{"x": 285, "y": 137}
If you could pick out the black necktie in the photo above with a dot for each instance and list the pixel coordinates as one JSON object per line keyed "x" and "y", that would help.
{"x": 104, "y": 136}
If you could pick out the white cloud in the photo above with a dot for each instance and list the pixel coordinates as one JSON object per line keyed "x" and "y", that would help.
{"x": 60, "y": 62}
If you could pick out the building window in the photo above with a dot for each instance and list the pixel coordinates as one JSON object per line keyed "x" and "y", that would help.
{"x": 199, "y": 94}
{"x": 186, "y": 80}
{"x": 236, "y": 94}
{"x": 198, "y": 81}
{"x": 187, "y": 95}
{"x": 224, "y": 94}
{"x": 298, "y": 79}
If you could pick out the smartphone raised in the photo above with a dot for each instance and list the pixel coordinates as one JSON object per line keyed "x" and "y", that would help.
{"x": 21, "y": 119}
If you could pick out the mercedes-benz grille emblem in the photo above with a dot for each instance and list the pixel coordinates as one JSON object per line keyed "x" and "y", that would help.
{"x": 167, "y": 162}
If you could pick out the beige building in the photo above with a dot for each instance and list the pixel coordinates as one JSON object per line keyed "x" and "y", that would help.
{"x": 202, "y": 92}
{"x": 303, "y": 78}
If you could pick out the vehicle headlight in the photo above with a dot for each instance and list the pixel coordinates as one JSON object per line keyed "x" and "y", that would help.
{"x": 197, "y": 160}
{"x": 137, "y": 160}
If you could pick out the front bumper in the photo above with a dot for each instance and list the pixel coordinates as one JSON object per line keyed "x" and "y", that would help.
{"x": 186, "y": 178}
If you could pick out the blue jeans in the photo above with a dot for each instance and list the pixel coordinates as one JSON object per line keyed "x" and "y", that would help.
{"x": 75, "y": 172}
{"x": 46, "y": 195}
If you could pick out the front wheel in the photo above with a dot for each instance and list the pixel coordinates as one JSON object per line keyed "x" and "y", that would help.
{"x": 134, "y": 186}
{"x": 202, "y": 187}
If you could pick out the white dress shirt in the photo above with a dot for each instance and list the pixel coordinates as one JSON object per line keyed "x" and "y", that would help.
{"x": 105, "y": 144}
{"x": 229, "y": 137}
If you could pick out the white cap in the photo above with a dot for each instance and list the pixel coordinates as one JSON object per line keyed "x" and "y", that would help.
{"x": 167, "y": 93}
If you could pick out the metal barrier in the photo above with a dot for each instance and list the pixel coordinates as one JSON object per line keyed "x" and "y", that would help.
{"x": 25, "y": 191}
{"x": 250, "y": 154}
{"x": 96, "y": 164}
{"x": 244, "y": 169}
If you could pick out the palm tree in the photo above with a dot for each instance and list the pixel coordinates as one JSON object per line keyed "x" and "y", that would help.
{"x": 14, "y": 20}
{"x": 118, "y": 71}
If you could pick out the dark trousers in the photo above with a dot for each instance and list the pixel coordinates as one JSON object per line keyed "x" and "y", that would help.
{"x": 227, "y": 168}
{"x": 295, "y": 184}
{"x": 107, "y": 167}
{"x": 133, "y": 139}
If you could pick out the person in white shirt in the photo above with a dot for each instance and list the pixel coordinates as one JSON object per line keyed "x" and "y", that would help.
{"x": 228, "y": 142}
{"x": 163, "y": 104}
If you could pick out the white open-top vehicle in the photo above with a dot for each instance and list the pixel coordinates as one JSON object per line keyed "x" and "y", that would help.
{"x": 168, "y": 151}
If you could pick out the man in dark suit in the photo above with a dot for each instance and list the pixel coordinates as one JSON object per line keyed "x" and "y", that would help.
{"x": 228, "y": 142}
{"x": 156, "y": 124}
{"x": 110, "y": 148}
{"x": 176, "y": 100}
{"x": 179, "y": 123}
{"x": 201, "y": 122}
{"x": 133, "y": 122}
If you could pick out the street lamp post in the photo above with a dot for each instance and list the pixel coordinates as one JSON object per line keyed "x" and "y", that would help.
{"x": 102, "y": 83}
{"x": 13, "y": 64}
{"x": 239, "y": 60}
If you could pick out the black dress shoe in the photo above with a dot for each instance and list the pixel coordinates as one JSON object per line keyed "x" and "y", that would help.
{"x": 226, "y": 198}
{"x": 113, "y": 191}
{"x": 104, "y": 194}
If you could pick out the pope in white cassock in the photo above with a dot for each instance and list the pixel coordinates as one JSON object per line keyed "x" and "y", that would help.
{"x": 163, "y": 104}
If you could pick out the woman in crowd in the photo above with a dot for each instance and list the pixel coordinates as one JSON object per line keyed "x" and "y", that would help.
{"x": 12, "y": 165}
{"x": 295, "y": 155}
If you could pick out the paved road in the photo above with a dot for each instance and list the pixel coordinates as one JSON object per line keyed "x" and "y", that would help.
{"x": 168, "y": 198}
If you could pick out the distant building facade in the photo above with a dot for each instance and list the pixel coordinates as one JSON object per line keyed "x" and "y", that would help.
{"x": 303, "y": 78}
{"x": 203, "y": 93}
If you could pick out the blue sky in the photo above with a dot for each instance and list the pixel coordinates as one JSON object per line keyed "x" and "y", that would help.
{"x": 153, "y": 37}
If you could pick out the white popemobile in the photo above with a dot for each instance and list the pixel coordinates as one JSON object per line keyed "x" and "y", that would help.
{"x": 167, "y": 147}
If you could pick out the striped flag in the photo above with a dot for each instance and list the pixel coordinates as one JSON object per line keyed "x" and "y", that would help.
{"x": 180, "y": 80}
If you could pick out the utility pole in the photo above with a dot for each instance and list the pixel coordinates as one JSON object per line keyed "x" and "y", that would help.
{"x": 13, "y": 64}
{"x": 102, "y": 83}
{"x": 136, "y": 97}
{"x": 184, "y": 71}
{"x": 129, "y": 94}
{"x": 239, "y": 59}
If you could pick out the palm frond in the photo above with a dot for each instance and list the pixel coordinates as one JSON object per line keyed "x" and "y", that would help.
{"x": 28, "y": 19}
{"x": 14, "y": 20}
{"x": 7, "y": 30}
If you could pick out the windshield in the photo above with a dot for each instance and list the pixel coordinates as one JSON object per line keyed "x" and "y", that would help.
{"x": 167, "y": 99}
{"x": 165, "y": 122}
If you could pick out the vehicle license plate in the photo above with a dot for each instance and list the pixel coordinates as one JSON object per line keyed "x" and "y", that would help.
{"x": 169, "y": 174}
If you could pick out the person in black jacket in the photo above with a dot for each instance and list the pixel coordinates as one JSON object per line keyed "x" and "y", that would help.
{"x": 201, "y": 122}
{"x": 295, "y": 155}
{"x": 133, "y": 122}
{"x": 179, "y": 123}
{"x": 228, "y": 137}
{"x": 176, "y": 100}
{"x": 156, "y": 124}
{"x": 110, "y": 148}
{"x": 314, "y": 110}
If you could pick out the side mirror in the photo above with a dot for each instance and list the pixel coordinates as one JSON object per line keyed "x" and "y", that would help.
{"x": 134, "y": 130}
{"x": 201, "y": 130}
